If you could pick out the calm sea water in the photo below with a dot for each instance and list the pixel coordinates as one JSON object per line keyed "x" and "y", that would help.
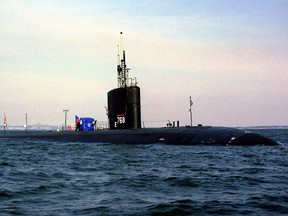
{"x": 49, "y": 178}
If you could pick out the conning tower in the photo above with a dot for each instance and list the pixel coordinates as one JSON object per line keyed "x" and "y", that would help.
{"x": 124, "y": 108}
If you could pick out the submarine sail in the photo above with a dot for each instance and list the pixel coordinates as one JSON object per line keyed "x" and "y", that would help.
{"x": 124, "y": 108}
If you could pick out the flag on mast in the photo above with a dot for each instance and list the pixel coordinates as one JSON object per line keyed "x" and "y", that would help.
{"x": 191, "y": 102}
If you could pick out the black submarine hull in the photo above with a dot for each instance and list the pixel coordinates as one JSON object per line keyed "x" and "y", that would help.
{"x": 172, "y": 136}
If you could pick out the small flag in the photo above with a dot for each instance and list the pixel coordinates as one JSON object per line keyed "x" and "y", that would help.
{"x": 191, "y": 102}
{"x": 76, "y": 118}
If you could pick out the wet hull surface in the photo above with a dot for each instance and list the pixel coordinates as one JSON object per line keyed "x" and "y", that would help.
{"x": 176, "y": 136}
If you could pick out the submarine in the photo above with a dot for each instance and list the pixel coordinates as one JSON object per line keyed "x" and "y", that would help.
{"x": 124, "y": 114}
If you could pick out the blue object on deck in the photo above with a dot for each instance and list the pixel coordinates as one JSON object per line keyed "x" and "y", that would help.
{"x": 87, "y": 124}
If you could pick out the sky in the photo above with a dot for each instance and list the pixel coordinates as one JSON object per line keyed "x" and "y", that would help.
{"x": 230, "y": 56}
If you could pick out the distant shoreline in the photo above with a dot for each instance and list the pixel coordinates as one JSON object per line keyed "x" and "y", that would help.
{"x": 266, "y": 127}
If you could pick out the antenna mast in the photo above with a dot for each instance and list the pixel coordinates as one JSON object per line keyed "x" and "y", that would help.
{"x": 123, "y": 71}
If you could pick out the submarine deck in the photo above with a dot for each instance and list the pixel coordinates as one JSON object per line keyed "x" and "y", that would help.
{"x": 204, "y": 135}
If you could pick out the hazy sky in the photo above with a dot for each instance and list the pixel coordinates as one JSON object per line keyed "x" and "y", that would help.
{"x": 230, "y": 56}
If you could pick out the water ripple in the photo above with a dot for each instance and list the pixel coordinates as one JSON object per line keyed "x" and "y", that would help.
{"x": 50, "y": 178}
